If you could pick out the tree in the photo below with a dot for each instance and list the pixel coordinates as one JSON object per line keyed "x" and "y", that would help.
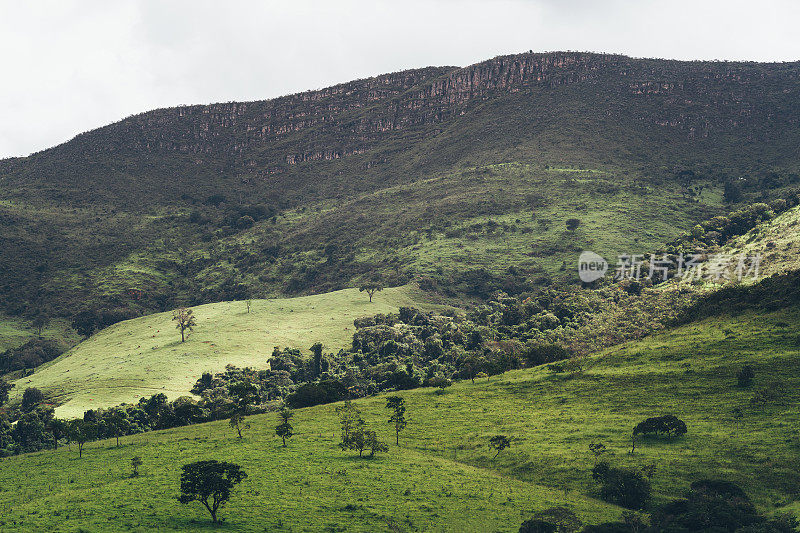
{"x": 371, "y": 288}
{"x": 237, "y": 422}
{"x": 698, "y": 231}
{"x": 245, "y": 393}
{"x": 573, "y": 223}
{"x": 659, "y": 426}
{"x": 623, "y": 487}
{"x": 81, "y": 432}
{"x": 85, "y": 323}
{"x": 40, "y": 321}
{"x": 248, "y": 303}
{"x": 598, "y": 449}
{"x": 5, "y": 388}
{"x": 210, "y": 483}
{"x": 185, "y": 320}
{"x": 499, "y": 443}
{"x": 284, "y": 429}
{"x": 349, "y": 418}
{"x": 745, "y": 376}
{"x": 373, "y": 443}
{"x": 31, "y": 397}
{"x": 136, "y": 462}
{"x": 398, "y": 406}
{"x": 316, "y": 350}
{"x": 118, "y": 423}
{"x": 58, "y": 428}
{"x": 564, "y": 520}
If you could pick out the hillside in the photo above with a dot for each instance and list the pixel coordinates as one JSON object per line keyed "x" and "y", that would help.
{"x": 443, "y": 477}
{"x": 144, "y": 356}
{"x": 393, "y": 177}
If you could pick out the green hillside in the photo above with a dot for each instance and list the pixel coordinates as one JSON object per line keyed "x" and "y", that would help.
{"x": 443, "y": 477}
{"x": 144, "y": 356}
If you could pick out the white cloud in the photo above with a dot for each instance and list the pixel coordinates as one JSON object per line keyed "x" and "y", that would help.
{"x": 72, "y": 65}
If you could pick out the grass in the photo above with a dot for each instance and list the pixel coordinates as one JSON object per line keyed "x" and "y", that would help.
{"x": 144, "y": 356}
{"x": 443, "y": 477}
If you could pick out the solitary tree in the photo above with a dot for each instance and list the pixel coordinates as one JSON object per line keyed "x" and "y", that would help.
{"x": 40, "y": 321}
{"x": 598, "y": 449}
{"x": 210, "y": 483}
{"x": 237, "y": 422}
{"x": 285, "y": 430}
{"x": 136, "y": 462}
{"x": 499, "y": 443}
{"x": 371, "y": 288}
{"x": 58, "y": 428}
{"x": 398, "y": 406}
{"x": 349, "y": 418}
{"x": 184, "y": 318}
{"x": 248, "y": 303}
{"x": 573, "y": 223}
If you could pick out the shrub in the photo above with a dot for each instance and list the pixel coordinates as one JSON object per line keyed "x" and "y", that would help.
{"x": 745, "y": 376}
{"x": 661, "y": 426}
{"x": 623, "y": 487}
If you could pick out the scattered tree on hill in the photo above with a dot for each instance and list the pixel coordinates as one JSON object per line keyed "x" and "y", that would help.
{"x": 371, "y": 288}
{"x": 499, "y": 443}
{"x": 248, "y": 303}
{"x": 554, "y": 519}
{"x": 136, "y": 462}
{"x": 620, "y": 486}
{"x": 81, "y": 432}
{"x": 238, "y": 423}
{"x": 658, "y": 426}
{"x": 745, "y": 376}
{"x": 284, "y": 429}
{"x": 31, "y": 397}
{"x": 573, "y": 223}
{"x": 84, "y": 322}
{"x": 40, "y": 321}
{"x": 398, "y": 406}
{"x": 349, "y": 418}
{"x": 597, "y": 449}
{"x": 210, "y": 483}
{"x": 184, "y": 318}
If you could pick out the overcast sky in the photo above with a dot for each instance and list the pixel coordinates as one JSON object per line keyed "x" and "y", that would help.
{"x": 70, "y": 66}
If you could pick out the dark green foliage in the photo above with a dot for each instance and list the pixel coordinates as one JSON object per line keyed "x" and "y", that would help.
{"x": 745, "y": 376}
{"x": 397, "y": 419}
{"x": 30, "y": 355}
{"x": 136, "y": 462}
{"x": 284, "y": 429}
{"x": 620, "y": 486}
{"x": 210, "y": 483}
{"x": 326, "y": 391}
{"x": 537, "y": 526}
{"x": 561, "y": 519}
{"x": 31, "y": 398}
{"x": 5, "y": 387}
{"x": 499, "y": 443}
{"x": 81, "y": 431}
{"x": 661, "y": 426}
{"x": 573, "y": 223}
{"x": 713, "y": 505}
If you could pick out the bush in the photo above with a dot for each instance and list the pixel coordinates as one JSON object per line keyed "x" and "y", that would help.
{"x": 623, "y": 487}
{"x": 327, "y": 391}
{"x": 745, "y": 376}
{"x": 658, "y": 426}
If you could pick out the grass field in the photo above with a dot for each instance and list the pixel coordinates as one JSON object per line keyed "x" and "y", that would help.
{"x": 443, "y": 477}
{"x": 144, "y": 356}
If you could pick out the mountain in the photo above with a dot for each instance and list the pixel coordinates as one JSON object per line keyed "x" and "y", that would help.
{"x": 430, "y": 174}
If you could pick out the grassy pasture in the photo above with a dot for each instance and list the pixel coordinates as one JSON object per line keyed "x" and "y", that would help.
{"x": 443, "y": 477}
{"x": 144, "y": 356}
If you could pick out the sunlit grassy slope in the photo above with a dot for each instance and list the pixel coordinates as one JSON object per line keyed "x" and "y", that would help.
{"x": 144, "y": 356}
{"x": 443, "y": 477}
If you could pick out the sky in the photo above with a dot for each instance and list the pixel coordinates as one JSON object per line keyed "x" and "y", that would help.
{"x": 69, "y": 66}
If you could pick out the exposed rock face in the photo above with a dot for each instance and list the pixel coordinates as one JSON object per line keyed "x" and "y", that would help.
{"x": 266, "y": 138}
